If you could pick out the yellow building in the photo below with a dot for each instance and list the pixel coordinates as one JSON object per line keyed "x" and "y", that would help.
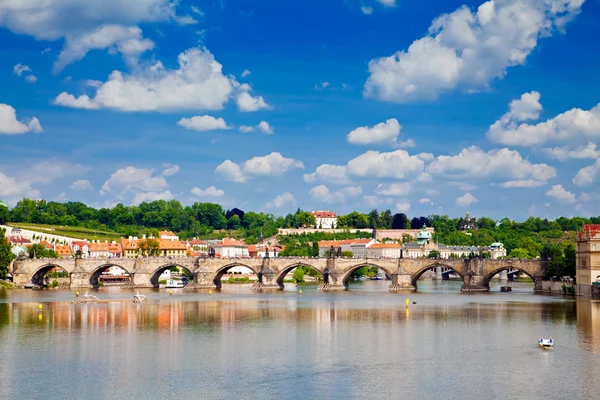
{"x": 588, "y": 255}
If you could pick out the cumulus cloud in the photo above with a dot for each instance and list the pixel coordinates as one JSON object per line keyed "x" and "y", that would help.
{"x": 323, "y": 194}
{"x": 561, "y": 195}
{"x": 248, "y": 103}
{"x": 565, "y": 153}
{"x": 282, "y": 200}
{"x": 85, "y": 25}
{"x": 384, "y": 132}
{"x": 425, "y": 200}
{"x": 473, "y": 162}
{"x": 263, "y": 126}
{"x": 273, "y": 164}
{"x": 197, "y": 84}
{"x": 211, "y": 191}
{"x": 81, "y": 185}
{"x": 170, "y": 170}
{"x": 140, "y": 180}
{"x": 466, "y": 200}
{"x": 468, "y": 49}
{"x": 393, "y": 189}
{"x": 328, "y": 173}
{"x": 523, "y": 183}
{"x": 246, "y": 73}
{"x": 140, "y": 197}
{"x": 202, "y": 123}
{"x": 403, "y": 207}
{"x": 10, "y": 125}
{"x": 587, "y": 175}
{"x": 571, "y": 126}
{"x": 366, "y": 10}
{"x": 19, "y": 69}
{"x": 13, "y": 190}
{"x": 31, "y": 79}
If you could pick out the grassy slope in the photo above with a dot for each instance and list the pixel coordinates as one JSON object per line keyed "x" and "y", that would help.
{"x": 70, "y": 231}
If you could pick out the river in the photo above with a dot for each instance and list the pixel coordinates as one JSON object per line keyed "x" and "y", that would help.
{"x": 363, "y": 344}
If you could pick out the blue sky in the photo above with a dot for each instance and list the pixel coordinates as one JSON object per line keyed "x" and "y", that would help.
{"x": 422, "y": 107}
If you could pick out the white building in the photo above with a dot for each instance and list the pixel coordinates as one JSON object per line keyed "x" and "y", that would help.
{"x": 384, "y": 250}
{"x": 359, "y": 247}
{"x": 325, "y": 219}
{"x": 231, "y": 248}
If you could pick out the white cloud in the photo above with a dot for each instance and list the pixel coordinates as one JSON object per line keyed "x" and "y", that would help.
{"x": 203, "y": 123}
{"x": 140, "y": 197}
{"x": 247, "y": 103}
{"x": 246, "y": 73}
{"x": 13, "y": 190}
{"x": 170, "y": 170}
{"x": 384, "y": 132}
{"x": 323, "y": 194}
{"x": 322, "y": 86}
{"x": 9, "y": 124}
{"x": 396, "y": 164}
{"x": 523, "y": 183}
{"x": 571, "y": 126}
{"x": 131, "y": 178}
{"x": 432, "y": 192}
{"x": 387, "y": 3}
{"x": 19, "y": 69}
{"x": 587, "y": 175}
{"x": 393, "y": 189}
{"x": 366, "y": 10}
{"x": 209, "y": 192}
{"x": 80, "y": 185}
{"x": 335, "y": 174}
{"x": 80, "y": 21}
{"x": 559, "y": 193}
{"x": 127, "y": 40}
{"x": 403, "y": 207}
{"x": 425, "y": 200}
{"x": 282, "y": 200}
{"x": 565, "y": 153}
{"x": 473, "y": 162}
{"x": 31, "y": 79}
{"x": 230, "y": 171}
{"x": 247, "y": 129}
{"x": 468, "y": 50}
{"x": 466, "y": 200}
{"x": 265, "y": 128}
{"x": 271, "y": 165}
{"x": 50, "y": 169}
{"x": 198, "y": 84}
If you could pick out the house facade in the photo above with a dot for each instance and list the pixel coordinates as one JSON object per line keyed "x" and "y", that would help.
{"x": 325, "y": 219}
{"x": 587, "y": 264}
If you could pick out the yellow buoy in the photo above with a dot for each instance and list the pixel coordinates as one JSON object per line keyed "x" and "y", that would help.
{"x": 407, "y": 301}
{"x": 76, "y": 294}
{"x": 170, "y": 292}
{"x": 300, "y": 292}
{"x": 210, "y": 292}
{"x": 39, "y": 317}
{"x": 40, "y": 307}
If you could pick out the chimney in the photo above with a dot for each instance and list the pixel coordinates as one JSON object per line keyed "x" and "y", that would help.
{"x": 144, "y": 236}
{"x": 130, "y": 237}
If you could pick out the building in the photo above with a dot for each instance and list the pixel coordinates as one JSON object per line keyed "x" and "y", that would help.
{"x": 130, "y": 246}
{"x": 358, "y": 247}
{"x": 98, "y": 249}
{"x": 197, "y": 245}
{"x": 115, "y": 249}
{"x": 17, "y": 240}
{"x": 167, "y": 235}
{"x": 400, "y": 234}
{"x": 587, "y": 264}
{"x": 80, "y": 245}
{"x": 47, "y": 245}
{"x": 231, "y": 248}
{"x": 63, "y": 251}
{"x": 384, "y": 250}
{"x": 325, "y": 219}
{"x": 172, "y": 248}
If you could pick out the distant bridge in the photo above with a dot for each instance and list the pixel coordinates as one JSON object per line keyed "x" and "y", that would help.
{"x": 476, "y": 273}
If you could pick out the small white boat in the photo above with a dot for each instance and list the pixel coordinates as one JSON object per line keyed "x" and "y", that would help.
{"x": 175, "y": 284}
{"x": 546, "y": 343}
{"x": 139, "y": 298}
{"x": 88, "y": 297}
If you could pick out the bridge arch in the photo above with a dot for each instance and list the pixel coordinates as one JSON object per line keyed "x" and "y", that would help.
{"x": 37, "y": 278}
{"x": 223, "y": 270}
{"x": 415, "y": 277}
{"x": 348, "y": 273}
{"x": 506, "y": 267}
{"x": 154, "y": 276}
{"x": 95, "y": 274}
{"x": 282, "y": 274}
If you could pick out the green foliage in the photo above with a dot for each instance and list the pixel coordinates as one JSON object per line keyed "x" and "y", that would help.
{"x": 6, "y": 255}
{"x": 298, "y": 276}
{"x": 347, "y": 253}
{"x": 149, "y": 248}
{"x": 353, "y": 220}
{"x": 434, "y": 254}
{"x": 400, "y": 221}
{"x": 365, "y": 271}
{"x": 519, "y": 253}
{"x": 40, "y": 251}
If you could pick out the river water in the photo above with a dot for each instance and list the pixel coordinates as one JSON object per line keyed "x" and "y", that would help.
{"x": 363, "y": 343}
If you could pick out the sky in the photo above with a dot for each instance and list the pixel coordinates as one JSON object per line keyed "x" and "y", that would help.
{"x": 428, "y": 107}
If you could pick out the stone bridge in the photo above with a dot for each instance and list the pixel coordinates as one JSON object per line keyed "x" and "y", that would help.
{"x": 476, "y": 273}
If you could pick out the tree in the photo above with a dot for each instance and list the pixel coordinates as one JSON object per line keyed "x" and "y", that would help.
{"x": 149, "y": 248}
{"x": 374, "y": 219}
{"x": 519, "y": 253}
{"x": 400, "y": 221}
{"x": 434, "y": 254}
{"x": 556, "y": 263}
{"x": 40, "y": 251}
{"x": 6, "y": 255}
{"x": 234, "y": 222}
{"x": 298, "y": 276}
{"x": 354, "y": 220}
{"x": 569, "y": 253}
{"x": 385, "y": 220}
{"x": 315, "y": 248}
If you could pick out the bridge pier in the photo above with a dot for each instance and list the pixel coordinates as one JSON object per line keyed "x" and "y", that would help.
{"x": 401, "y": 283}
{"x": 438, "y": 273}
{"x": 474, "y": 280}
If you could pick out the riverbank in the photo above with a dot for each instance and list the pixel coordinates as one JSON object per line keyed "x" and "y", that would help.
{"x": 588, "y": 291}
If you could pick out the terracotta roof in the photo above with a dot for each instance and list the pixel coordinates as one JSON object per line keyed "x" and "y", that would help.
{"x": 385, "y": 246}
{"x": 590, "y": 230}
{"x": 361, "y": 241}
{"x": 97, "y": 247}
{"x": 324, "y": 214}
{"x": 115, "y": 248}
{"x": 227, "y": 242}
{"x": 63, "y": 250}
{"x": 47, "y": 244}
{"x": 197, "y": 241}
{"x": 18, "y": 240}
{"x": 168, "y": 244}
{"x": 130, "y": 244}
{"x": 166, "y": 233}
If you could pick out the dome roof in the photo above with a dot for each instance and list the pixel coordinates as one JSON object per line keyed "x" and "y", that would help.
{"x": 424, "y": 234}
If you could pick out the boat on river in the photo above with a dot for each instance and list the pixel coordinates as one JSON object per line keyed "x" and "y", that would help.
{"x": 139, "y": 298}
{"x": 176, "y": 283}
{"x": 546, "y": 343}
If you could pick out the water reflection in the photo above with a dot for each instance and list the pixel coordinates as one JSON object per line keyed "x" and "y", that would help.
{"x": 359, "y": 344}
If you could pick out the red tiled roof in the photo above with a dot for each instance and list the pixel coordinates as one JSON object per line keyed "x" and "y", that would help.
{"x": 385, "y": 246}
{"x": 227, "y": 242}
{"x": 19, "y": 240}
{"x": 590, "y": 230}
{"x": 324, "y": 214}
